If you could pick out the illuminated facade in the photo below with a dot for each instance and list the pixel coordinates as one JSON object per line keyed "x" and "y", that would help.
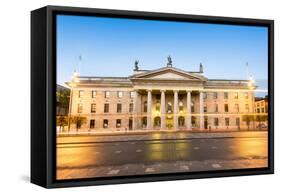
{"x": 163, "y": 99}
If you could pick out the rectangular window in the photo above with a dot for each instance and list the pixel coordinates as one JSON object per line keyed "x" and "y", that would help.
{"x": 225, "y": 95}
{"x": 94, "y": 94}
{"x": 247, "y": 108}
{"x": 216, "y": 108}
{"x": 131, "y": 107}
{"x": 246, "y": 95}
{"x": 132, "y": 94}
{"x": 216, "y": 122}
{"x": 119, "y": 107}
{"x": 119, "y": 94}
{"x": 93, "y": 108}
{"x": 236, "y": 107}
{"x": 204, "y": 95}
{"x": 225, "y": 107}
{"x": 145, "y": 106}
{"x": 105, "y": 123}
{"x": 107, "y": 94}
{"x": 236, "y": 95}
{"x": 205, "y": 108}
{"x": 157, "y": 96}
{"x": 227, "y": 122}
{"x": 262, "y": 110}
{"x": 92, "y": 123}
{"x": 118, "y": 123}
{"x": 81, "y": 93}
{"x": 106, "y": 108}
{"x": 80, "y": 108}
{"x": 215, "y": 95}
{"x": 238, "y": 122}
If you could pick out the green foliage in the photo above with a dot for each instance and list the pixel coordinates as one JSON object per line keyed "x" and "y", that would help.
{"x": 63, "y": 97}
{"x": 78, "y": 121}
{"x": 61, "y": 121}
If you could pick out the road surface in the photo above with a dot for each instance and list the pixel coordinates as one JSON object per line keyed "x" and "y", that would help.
{"x": 79, "y": 159}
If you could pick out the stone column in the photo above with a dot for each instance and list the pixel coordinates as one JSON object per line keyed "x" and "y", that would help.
{"x": 149, "y": 109}
{"x": 135, "y": 113}
{"x": 163, "y": 110}
{"x": 188, "y": 110}
{"x": 201, "y": 111}
{"x": 176, "y": 109}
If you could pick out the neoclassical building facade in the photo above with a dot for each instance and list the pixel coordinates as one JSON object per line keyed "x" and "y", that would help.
{"x": 167, "y": 98}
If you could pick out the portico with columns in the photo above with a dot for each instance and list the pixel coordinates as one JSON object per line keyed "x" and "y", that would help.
{"x": 174, "y": 108}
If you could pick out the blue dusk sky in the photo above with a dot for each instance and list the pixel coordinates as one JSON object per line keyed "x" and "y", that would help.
{"x": 109, "y": 47}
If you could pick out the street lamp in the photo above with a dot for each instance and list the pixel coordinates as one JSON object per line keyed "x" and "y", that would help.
{"x": 74, "y": 81}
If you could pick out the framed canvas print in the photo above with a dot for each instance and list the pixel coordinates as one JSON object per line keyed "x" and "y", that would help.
{"x": 125, "y": 96}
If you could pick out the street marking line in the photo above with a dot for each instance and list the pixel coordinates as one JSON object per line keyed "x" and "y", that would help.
{"x": 112, "y": 172}
{"x": 216, "y": 165}
{"x": 196, "y": 148}
{"x": 139, "y": 150}
{"x": 118, "y": 152}
{"x": 184, "y": 167}
{"x": 133, "y": 142}
{"x": 149, "y": 170}
{"x": 214, "y": 147}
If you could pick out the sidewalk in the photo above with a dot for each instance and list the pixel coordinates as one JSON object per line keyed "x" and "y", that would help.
{"x": 180, "y": 135}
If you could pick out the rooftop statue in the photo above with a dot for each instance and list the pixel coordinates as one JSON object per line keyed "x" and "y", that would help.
{"x": 136, "y": 65}
{"x": 169, "y": 64}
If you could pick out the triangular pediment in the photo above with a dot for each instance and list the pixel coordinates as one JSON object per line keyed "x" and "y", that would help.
{"x": 169, "y": 73}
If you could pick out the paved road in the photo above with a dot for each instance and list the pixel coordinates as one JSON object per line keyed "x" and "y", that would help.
{"x": 91, "y": 155}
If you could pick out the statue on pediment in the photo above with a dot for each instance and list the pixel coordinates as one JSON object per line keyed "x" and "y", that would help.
{"x": 136, "y": 65}
{"x": 169, "y": 64}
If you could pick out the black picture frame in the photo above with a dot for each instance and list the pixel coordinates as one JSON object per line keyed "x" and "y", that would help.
{"x": 43, "y": 89}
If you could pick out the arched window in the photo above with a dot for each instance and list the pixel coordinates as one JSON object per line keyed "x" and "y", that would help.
{"x": 192, "y": 106}
{"x": 157, "y": 121}
{"x": 169, "y": 108}
{"x": 181, "y": 121}
{"x": 181, "y": 106}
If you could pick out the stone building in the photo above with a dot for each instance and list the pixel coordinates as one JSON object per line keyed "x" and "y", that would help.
{"x": 167, "y": 98}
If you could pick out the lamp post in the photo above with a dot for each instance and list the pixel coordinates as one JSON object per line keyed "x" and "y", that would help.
{"x": 74, "y": 81}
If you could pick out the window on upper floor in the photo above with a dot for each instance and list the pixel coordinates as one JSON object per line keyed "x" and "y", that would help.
{"x": 119, "y": 108}
{"x": 205, "y": 107}
{"x": 81, "y": 93}
{"x": 93, "y": 108}
{"x": 80, "y": 108}
{"x": 247, "y": 107}
{"x": 107, "y": 94}
{"x": 131, "y": 107}
{"x": 204, "y": 95}
{"x": 94, "y": 94}
{"x": 216, "y": 108}
{"x": 145, "y": 106}
{"x": 225, "y": 95}
{"x": 236, "y": 106}
{"x": 106, "y": 108}
{"x": 236, "y": 94}
{"x": 119, "y": 94}
{"x": 215, "y": 95}
{"x": 225, "y": 107}
{"x": 132, "y": 94}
